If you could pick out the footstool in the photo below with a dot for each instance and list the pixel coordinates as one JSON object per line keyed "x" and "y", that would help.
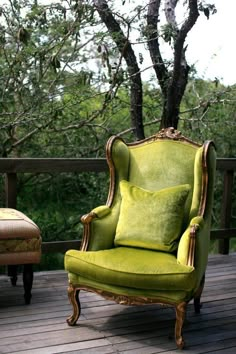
{"x": 20, "y": 244}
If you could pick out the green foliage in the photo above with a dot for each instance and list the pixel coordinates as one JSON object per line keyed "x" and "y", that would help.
{"x": 41, "y": 65}
{"x": 57, "y": 202}
{"x": 208, "y": 112}
{"x": 168, "y": 33}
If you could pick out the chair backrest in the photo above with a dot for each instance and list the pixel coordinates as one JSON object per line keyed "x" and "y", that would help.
{"x": 164, "y": 160}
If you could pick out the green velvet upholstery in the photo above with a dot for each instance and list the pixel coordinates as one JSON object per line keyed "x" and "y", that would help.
{"x": 134, "y": 163}
{"x": 133, "y": 268}
{"x": 149, "y": 243}
{"x": 151, "y": 220}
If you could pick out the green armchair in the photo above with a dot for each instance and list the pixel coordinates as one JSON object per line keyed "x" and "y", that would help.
{"x": 149, "y": 243}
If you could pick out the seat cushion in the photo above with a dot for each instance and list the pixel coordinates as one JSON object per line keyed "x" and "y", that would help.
{"x": 19, "y": 236}
{"x": 151, "y": 220}
{"x": 132, "y": 267}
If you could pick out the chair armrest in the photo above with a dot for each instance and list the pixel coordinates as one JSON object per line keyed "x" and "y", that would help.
{"x": 101, "y": 211}
{"x": 186, "y": 249}
{"x": 98, "y": 212}
{"x": 99, "y": 228}
{"x": 197, "y": 221}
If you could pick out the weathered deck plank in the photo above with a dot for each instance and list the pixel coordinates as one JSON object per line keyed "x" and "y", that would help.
{"x": 105, "y": 327}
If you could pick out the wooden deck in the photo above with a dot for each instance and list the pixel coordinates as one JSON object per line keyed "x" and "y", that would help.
{"x": 105, "y": 327}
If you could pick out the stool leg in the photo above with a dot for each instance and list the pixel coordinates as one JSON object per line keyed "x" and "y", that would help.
{"x": 28, "y": 282}
{"x": 12, "y": 273}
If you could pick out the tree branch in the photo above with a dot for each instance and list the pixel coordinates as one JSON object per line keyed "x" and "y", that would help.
{"x": 179, "y": 79}
{"x": 179, "y": 51}
{"x": 153, "y": 44}
{"x": 170, "y": 6}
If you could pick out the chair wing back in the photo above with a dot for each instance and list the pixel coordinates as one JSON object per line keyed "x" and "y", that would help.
{"x": 156, "y": 163}
{"x": 164, "y": 160}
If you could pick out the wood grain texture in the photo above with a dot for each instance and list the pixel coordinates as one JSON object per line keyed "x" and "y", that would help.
{"x": 106, "y": 327}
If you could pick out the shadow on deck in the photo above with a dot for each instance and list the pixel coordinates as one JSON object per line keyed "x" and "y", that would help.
{"x": 105, "y": 327}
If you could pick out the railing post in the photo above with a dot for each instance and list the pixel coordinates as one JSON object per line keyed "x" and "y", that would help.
{"x": 226, "y": 209}
{"x": 11, "y": 190}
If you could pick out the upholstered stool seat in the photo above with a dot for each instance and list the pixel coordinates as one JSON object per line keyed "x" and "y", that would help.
{"x": 20, "y": 244}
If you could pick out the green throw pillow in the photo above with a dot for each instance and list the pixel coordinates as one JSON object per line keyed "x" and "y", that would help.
{"x": 151, "y": 220}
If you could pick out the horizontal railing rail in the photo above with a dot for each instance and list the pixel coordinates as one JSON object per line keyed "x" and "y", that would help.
{"x": 12, "y": 166}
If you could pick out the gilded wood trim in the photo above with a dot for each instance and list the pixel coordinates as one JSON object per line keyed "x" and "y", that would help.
{"x": 86, "y": 237}
{"x": 202, "y": 204}
{"x": 110, "y": 162}
{"x": 180, "y": 308}
{"x": 73, "y": 295}
{"x": 192, "y": 243}
{"x": 125, "y": 299}
{"x": 173, "y": 134}
{"x": 86, "y": 220}
{"x": 166, "y": 134}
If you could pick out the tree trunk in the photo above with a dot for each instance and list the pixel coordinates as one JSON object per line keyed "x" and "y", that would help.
{"x": 172, "y": 83}
{"x": 126, "y": 51}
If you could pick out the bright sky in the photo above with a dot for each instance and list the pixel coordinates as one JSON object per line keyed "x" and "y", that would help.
{"x": 211, "y": 43}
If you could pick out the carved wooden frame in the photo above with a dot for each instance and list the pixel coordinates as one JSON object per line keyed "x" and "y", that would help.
{"x": 180, "y": 308}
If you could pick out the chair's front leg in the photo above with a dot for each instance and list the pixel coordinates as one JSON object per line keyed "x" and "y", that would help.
{"x": 180, "y": 310}
{"x": 73, "y": 295}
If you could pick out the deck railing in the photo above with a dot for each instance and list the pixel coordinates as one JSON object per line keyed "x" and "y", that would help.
{"x": 12, "y": 166}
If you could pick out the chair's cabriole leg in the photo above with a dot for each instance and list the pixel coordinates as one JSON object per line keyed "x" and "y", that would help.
{"x": 73, "y": 295}
{"x": 180, "y": 310}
